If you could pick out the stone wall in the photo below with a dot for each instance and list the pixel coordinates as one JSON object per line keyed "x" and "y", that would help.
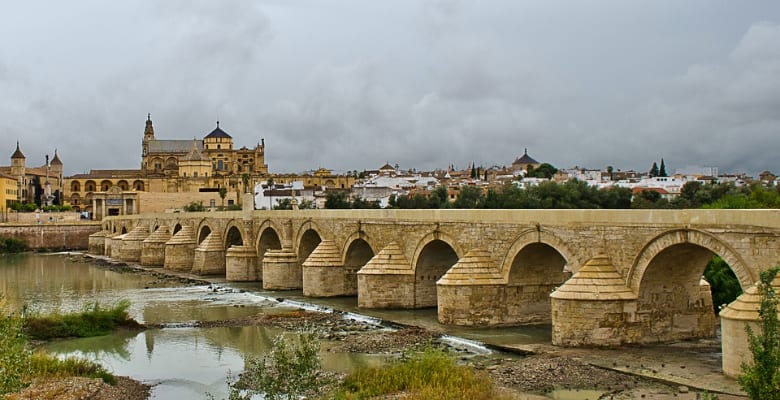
{"x": 160, "y": 202}
{"x": 59, "y": 236}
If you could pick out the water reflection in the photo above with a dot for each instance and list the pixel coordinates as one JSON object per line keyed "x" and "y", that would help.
{"x": 182, "y": 363}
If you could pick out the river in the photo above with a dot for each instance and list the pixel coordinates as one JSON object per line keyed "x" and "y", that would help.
{"x": 181, "y": 361}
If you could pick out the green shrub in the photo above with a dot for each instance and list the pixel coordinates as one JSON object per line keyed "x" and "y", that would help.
{"x": 760, "y": 378}
{"x": 433, "y": 374}
{"x": 12, "y": 245}
{"x": 15, "y": 355}
{"x": 289, "y": 371}
{"x": 45, "y": 365}
{"x": 94, "y": 321}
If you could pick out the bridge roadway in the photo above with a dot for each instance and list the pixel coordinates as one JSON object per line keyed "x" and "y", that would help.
{"x": 637, "y": 273}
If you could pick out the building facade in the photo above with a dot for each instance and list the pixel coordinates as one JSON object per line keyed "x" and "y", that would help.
{"x": 170, "y": 166}
{"x": 41, "y": 185}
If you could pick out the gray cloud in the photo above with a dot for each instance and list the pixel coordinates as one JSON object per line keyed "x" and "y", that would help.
{"x": 349, "y": 85}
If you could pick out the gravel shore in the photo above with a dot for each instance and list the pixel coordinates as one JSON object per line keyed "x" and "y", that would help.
{"x": 77, "y": 388}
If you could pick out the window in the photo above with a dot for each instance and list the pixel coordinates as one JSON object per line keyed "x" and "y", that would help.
{"x": 157, "y": 165}
{"x": 219, "y": 146}
{"x": 195, "y": 174}
{"x": 220, "y": 165}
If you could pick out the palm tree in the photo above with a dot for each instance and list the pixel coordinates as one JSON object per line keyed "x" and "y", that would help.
{"x": 222, "y": 194}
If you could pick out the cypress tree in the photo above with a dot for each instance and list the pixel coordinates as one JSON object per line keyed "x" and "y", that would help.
{"x": 662, "y": 170}
{"x": 473, "y": 171}
{"x": 653, "y": 170}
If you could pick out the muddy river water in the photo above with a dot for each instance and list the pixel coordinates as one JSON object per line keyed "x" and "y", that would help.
{"x": 182, "y": 361}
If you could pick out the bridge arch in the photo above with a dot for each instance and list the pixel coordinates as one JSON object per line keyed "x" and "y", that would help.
{"x": 204, "y": 230}
{"x": 267, "y": 239}
{"x": 673, "y": 300}
{"x": 698, "y": 238}
{"x": 538, "y": 236}
{"x": 356, "y": 248}
{"x": 234, "y": 235}
{"x": 436, "y": 253}
{"x": 308, "y": 238}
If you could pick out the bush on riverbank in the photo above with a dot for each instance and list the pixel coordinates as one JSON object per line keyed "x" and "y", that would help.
{"x": 19, "y": 366}
{"x": 45, "y": 365}
{"x": 12, "y": 245}
{"x": 432, "y": 374}
{"x": 94, "y": 321}
{"x": 15, "y": 354}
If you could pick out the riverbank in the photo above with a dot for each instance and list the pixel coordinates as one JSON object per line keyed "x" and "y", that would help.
{"x": 677, "y": 371}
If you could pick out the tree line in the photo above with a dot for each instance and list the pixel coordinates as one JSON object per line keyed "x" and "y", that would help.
{"x": 574, "y": 194}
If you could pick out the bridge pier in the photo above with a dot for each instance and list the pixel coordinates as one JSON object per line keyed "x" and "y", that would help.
{"x": 734, "y": 340}
{"x": 324, "y": 274}
{"x": 153, "y": 247}
{"x": 209, "y": 256}
{"x": 472, "y": 292}
{"x": 114, "y": 246}
{"x": 281, "y": 270}
{"x": 180, "y": 250}
{"x": 132, "y": 243}
{"x": 594, "y": 307}
{"x": 241, "y": 264}
{"x": 387, "y": 280}
{"x": 97, "y": 242}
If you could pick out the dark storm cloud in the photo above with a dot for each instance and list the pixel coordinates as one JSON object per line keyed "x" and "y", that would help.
{"x": 347, "y": 84}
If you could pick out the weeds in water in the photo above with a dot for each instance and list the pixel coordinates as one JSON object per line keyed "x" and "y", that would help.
{"x": 45, "y": 365}
{"x": 290, "y": 371}
{"x": 93, "y": 321}
{"x": 432, "y": 374}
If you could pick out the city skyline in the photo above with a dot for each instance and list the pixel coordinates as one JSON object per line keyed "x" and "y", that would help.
{"x": 348, "y": 85}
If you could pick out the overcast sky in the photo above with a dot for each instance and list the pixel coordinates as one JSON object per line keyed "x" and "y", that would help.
{"x": 352, "y": 84}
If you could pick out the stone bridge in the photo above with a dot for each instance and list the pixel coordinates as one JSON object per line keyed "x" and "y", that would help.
{"x": 637, "y": 274}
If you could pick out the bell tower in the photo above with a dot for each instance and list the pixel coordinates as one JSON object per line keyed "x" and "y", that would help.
{"x": 148, "y": 136}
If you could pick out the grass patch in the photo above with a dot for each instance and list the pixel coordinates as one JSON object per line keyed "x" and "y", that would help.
{"x": 432, "y": 374}
{"x": 45, "y": 365}
{"x": 12, "y": 245}
{"x": 93, "y": 321}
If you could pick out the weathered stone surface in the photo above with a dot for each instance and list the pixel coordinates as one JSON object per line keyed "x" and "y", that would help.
{"x": 594, "y": 307}
{"x": 180, "y": 250}
{"x": 323, "y": 272}
{"x": 153, "y": 247}
{"x": 241, "y": 264}
{"x": 97, "y": 242}
{"x": 281, "y": 270}
{"x": 387, "y": 280}
{"x": 132, "y": 243}
{"x": 209, "y": 256}
{"x": 115, "y": 246}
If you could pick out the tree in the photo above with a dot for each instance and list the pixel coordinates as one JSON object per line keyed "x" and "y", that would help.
{"x": 222, "y": 194}
{"x": 470, "y": 197}
{"x": 662, "y": 169}
{"x": 725, "y": 285}
{"x": 245, "y": 180}
{"x": 760, "y": 378}
{"x": 336, "y": 200}
{"x": 653, "y": 170}
{"x": 473, "y": 171}
{"x": 610, "y": 170}
{"x": 290, "y": 371}
{"x": 544, "y": 170}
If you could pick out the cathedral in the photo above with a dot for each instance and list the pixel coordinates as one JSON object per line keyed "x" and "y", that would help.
{"x": 178, "y": 171}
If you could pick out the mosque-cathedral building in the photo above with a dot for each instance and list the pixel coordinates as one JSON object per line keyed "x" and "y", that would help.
{"x": 175, "y": 173}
